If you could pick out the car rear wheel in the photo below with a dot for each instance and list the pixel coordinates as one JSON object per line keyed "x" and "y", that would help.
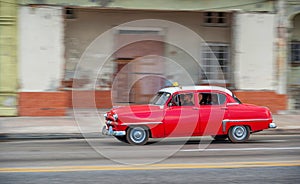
{"x": 137, "y": 135}
{"x": 238, "y": 133}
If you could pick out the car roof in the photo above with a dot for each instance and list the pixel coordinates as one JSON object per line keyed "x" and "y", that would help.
{"x": 196, "y": 88}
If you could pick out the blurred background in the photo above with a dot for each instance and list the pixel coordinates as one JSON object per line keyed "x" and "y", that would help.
{"x": 253, "y": 44}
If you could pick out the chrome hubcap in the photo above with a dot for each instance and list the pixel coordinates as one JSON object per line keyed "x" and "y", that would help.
{"x": 137, "y": 135}
{"x": 239, "y": 132}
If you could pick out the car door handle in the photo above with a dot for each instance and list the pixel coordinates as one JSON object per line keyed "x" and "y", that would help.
{"x": 224, "y": 108}
{"x": 196, "y": 108}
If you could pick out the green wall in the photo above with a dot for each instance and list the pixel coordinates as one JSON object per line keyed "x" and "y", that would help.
{"x": 8, "y": 58}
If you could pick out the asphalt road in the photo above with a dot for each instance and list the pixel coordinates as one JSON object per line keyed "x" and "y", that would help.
{"x": 263, "y": 159}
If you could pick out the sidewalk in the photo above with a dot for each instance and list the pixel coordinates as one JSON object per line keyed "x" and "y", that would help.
{"x": 88, "y": 123}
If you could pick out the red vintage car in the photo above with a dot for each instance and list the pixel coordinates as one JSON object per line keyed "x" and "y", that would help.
{"x": 188, "y": 111}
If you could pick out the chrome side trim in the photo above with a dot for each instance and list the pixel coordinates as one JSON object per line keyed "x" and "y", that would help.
{"x": 143, "y": 123}
{"x": 245, "y": 120}
{"x": 232, "y": 104}
{"x": 224, "y": 125}
{"x": 225, "y": 121}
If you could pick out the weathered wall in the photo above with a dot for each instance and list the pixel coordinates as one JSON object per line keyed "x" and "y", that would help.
{"x": 254, "y": 51}
{"x": 294, "y": 67}
{"x": 294, "y": 77}
{"x": 295, "y": 30}
{"x": 41, "y": 48}
{"x": 43, "y": 103}
{"x": 89, "y": 24}
{"x": 216, "y": 5}
{"x": 8, "y": 58}
{"x": 275, "y": 102}
{"x": 41, "y": 61}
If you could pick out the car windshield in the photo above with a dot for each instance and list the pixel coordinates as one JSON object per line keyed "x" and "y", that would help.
{"x": 160, "y": 98}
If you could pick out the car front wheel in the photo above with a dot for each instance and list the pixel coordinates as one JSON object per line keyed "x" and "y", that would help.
{"x": 137, "y": 135}
{"x": 238, "y": 134}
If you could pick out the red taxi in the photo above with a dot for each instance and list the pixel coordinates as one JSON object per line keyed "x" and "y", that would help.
{"x": 188, "y": 111}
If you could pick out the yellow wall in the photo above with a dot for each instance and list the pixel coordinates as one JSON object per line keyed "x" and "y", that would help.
{"x": 8, "y": 58}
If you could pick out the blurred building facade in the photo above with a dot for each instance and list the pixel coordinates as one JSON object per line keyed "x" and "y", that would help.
{"x": 256, "y": 45}
{"x": 8, "y": 59}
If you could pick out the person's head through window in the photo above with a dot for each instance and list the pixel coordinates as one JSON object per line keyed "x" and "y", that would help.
{"x": 188, "y": 99}
{"x": 201, "y": 99}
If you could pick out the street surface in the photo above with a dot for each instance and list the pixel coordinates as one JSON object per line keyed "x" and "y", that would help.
{"x": 263, "y": 159}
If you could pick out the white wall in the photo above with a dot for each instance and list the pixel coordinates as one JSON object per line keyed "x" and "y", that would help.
{"x": 254, "y": 38}
{"x": 88, "y": 25}
{"x": 41, "y": 48}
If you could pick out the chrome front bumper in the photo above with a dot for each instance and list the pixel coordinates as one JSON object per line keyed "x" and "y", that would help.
{"x": 109, "y": 131}
{"x": 272, "y": 125}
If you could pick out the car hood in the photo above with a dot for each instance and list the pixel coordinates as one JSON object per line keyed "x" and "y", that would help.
{"x": 139, "y": 113}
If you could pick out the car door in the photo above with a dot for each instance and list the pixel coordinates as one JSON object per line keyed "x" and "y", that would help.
{"x": 181, "y": 117}
{"x": 212, "y": 111}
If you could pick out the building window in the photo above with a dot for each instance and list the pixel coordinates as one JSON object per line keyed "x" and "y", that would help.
{"x": 70, "y": 13}
{"x": 215, "y": 19}
{"x": 215, "y": 63}
{"x": 295, "y": 53}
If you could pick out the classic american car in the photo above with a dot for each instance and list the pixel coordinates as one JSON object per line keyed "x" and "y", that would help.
{"x": 188, "y": 111}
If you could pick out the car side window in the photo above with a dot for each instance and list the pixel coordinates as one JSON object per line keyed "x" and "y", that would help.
{"x": 184, "y": 99}
{"x": 176, "y": 100}
{"x": 222, "y": 99}
{"x": 211, "y": 99}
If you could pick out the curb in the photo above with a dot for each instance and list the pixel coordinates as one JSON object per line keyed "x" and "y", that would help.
{"x": 279, "y": 131}
{"x": 98, "y": 135}
{"x": 46, "y": 136}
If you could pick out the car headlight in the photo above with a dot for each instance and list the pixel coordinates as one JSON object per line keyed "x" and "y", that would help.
{"x": 115, "y": 116}
{"x": 105, "y": 115}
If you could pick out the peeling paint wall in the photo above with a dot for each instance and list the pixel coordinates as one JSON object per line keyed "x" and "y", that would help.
{"x": 8, "y": 58}
{"x": 294, "y": 67}
{"x": 90, "y": 23}
{"x": 254, "y": 51}
{"x": 41, "y": 48}
{"x": 214, "y": 5}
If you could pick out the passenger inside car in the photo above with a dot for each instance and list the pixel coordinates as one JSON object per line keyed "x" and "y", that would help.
{"x": 202, "y": 100}
{"x": 187, "y": 101}
{"x": 208, "y": 99}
